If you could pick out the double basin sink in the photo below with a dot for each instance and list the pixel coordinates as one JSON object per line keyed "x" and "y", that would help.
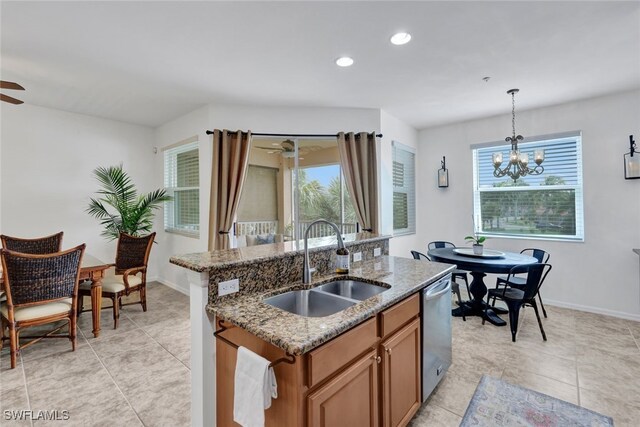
{"x": 326, "y": 299}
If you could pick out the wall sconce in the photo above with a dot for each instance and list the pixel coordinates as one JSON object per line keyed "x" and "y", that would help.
{"x": 631, "y": 161}
{"x": 443, "y": 174}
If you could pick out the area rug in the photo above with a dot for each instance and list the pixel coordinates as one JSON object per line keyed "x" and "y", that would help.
{"x": 497, "y": 403}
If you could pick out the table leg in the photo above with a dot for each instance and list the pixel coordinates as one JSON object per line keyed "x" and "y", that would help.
{"x": 96, "y": 304}
{"x": 476, "y": 307}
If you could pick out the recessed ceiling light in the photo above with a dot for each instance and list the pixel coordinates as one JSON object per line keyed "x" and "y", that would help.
{"x": 275, "y": 144}
{"x": 400, "y": 38}
{"x": 344, "y": 61}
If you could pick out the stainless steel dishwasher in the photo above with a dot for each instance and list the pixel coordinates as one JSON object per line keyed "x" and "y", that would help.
{"x": 436, "y": 333}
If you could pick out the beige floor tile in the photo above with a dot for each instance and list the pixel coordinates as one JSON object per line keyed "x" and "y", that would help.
{"x": 121, "y": 343}
{"x": 431, "y": 415}
{"x": 541, "y": 384}
{"x": 156, "y": 406}
{"x": 624, "y": 413}
{"x": 454, "y": 392}
{"x": 554, "y": 367}
{"x": 13, "y": 399}
{"x": 60, "y": 365}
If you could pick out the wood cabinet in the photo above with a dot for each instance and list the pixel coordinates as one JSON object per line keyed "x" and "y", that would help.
{"x": 349, "y": 399}
{"x": 400, "y": 372}
{"x": 368, "y": 376}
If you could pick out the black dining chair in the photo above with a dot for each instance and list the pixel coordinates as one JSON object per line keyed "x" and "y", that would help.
{"x": 519, "y": 281}
{"x": 457, "y": 273}
{"x": 516, "y": 298}
{"x": 455, "y": 288}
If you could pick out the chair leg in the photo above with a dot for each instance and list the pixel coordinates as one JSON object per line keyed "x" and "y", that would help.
{"x": 1, "y": 332}
{"x": 514, "y": 315}
{"x": 72, "y": 332}
{"x": 13, "y": 341}
{"x": 116, "y": 310}
{"x": 486, "y": 310}
{"x": 143, "y": 296}
{"x": 457, "y": 291}
{"x": 544, "y": 312}
{"x": 535, "y": 308}
{"x": 80, "y": 304}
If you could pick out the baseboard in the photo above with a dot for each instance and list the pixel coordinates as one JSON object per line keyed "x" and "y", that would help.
{"x": 171, "y": 285}
{"x": 595, "y": 310}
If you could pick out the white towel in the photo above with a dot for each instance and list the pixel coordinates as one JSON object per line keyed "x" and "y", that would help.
{"x": 255, "y": 385}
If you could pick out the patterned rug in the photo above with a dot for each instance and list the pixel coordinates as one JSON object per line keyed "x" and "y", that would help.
{"x": 497, "y": 403}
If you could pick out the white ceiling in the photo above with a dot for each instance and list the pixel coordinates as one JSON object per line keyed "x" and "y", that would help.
{"x": 149, "y": 62}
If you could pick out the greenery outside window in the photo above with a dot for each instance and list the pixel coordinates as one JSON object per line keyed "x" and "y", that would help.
{"x": 547, "y": 206}
{"x": 404, "y": 189}
{"x": 182, "y": 182}
{"x": 324, "y": 194}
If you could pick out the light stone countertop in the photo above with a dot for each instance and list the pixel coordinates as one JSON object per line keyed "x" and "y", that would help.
{"x": 298, "y": 335}
{"x": 206, "y": 261}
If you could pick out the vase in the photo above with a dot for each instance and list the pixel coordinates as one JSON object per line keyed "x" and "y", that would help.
{"x": 477, "y": 249}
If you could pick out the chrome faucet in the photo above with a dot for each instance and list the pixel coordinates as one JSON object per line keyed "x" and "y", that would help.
{"x": 307, "y": 271}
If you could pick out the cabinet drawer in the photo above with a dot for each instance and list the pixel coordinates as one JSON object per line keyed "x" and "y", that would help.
{"x": 400, "y": 314}
{"x": 337, "y": 353}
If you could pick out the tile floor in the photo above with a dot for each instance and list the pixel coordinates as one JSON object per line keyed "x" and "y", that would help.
{"x": 139, "y": 373}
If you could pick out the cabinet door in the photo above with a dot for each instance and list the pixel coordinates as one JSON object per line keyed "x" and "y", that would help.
{"x": 401, "y": 379}
{"x": 350, "y": 399}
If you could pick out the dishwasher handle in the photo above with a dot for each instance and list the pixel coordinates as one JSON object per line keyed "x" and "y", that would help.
{"x": 438, "y": 290}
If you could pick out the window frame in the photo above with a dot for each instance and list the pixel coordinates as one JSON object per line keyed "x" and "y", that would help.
{"x": 174, "y": 150}
{"x": 410, "y": 191}
{"x": 578, "y": 188}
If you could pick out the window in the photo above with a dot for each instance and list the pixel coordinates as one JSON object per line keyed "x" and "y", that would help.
{"x": 404, "y": 190}
{"x": 181, "y": 179}
{"x": 546, "y": 206}
{"x": 324, "y": 194}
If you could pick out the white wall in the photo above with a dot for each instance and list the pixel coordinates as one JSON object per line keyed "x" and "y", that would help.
{"x": 394, "y": 129}
{"x": 256, "y": 119}
{"x": 600, "y": 274}
{"x": 46, "y": 172}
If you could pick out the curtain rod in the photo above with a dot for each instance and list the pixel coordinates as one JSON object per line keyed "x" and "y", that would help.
{"x": 294, "y": 135}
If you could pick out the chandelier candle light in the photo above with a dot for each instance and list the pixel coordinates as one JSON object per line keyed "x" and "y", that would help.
{"x": 518, "y": 162}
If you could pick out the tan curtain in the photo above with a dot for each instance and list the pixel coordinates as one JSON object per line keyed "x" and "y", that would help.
{"x": 358, "y": 158}
{"x": 228, "y": 170}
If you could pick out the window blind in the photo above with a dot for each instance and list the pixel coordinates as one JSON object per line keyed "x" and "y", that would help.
{"x": 404, "y": 193}
{"x": 182, "y": 182}
{"x": 545, "y": 206}
{"x": 259, "y": 200}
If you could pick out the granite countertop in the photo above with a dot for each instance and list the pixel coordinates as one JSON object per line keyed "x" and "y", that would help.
{"x": 205, "y": 261}
{"x": 298, "y": 335}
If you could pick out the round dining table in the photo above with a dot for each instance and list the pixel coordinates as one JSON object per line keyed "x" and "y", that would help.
{"x": 492, "y": 261}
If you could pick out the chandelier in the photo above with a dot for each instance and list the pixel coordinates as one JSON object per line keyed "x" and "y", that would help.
{"x": 518, "y": 162}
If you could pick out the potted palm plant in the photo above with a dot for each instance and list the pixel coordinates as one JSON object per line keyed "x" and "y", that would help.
{"x": 477, "y": 243}
{"x": 119, "y": 207}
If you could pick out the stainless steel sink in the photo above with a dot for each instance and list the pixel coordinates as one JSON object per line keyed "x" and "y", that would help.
{"x": 353, "y": 289}
{"x": 326, "y": 299}
{"x": 309, "y": 303}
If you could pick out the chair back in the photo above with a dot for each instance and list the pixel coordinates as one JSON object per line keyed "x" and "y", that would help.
{"x": 133, "y": 251}
{"x": 420, "y": 256}
{"x": 536, "y": 274}
{"x": 437, "y": 244}
{"x": 39, "y": 246}
{"x": 541, "y": 255}
{"x": 33, "y": 279}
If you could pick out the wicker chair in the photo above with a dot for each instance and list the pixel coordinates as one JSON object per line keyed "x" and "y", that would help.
{"x": 130, "y": 276}
{"x": 40, "y": 289}
{"x": 40, "y": 246}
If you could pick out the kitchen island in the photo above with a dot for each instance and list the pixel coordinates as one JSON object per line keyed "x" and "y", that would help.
{"x": 274, "y": 333}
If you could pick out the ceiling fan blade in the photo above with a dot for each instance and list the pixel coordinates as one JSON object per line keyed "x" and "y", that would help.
{"x": 10, "y": 85}
{"x": 9, "y": 99}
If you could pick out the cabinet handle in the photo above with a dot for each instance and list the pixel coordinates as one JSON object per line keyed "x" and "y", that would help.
{"x": 378, "y": 359}
{"x": 388, "y": 351}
